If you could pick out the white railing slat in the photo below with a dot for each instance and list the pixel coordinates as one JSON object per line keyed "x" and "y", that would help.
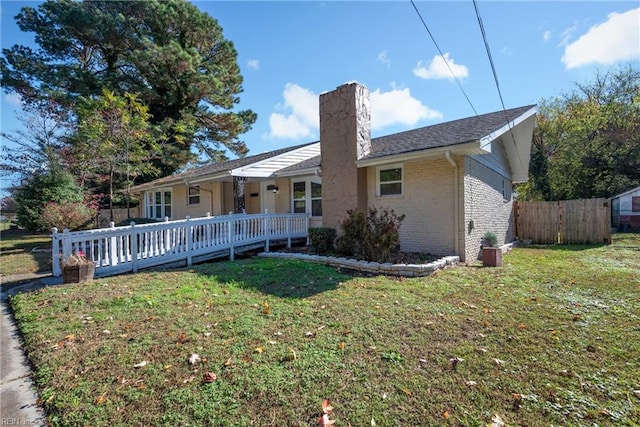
{"x": 122, "y": 249}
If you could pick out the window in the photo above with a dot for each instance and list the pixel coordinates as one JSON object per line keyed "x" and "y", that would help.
{"x": 635, "y": 204}
{"x": 158, "y": 204}
{"x": 390, "y": 180}
{"x": 307, "y": 196}
{"x": 193, "y": 195}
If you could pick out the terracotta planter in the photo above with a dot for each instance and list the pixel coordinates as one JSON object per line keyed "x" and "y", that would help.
{"x": 492, "y": 257}
{"x": 78, "y": 273}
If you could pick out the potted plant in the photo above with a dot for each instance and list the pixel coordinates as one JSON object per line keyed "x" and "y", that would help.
{"x": 77, "y": 268}
{"x": 491, "y": 255}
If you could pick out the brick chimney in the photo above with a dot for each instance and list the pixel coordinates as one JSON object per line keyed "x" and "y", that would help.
{"x": 345, "y": 136}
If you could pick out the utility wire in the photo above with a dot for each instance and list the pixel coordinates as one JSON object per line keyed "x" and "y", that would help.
{"x": 495, "y": 76}
{"x": 426, "y": 27}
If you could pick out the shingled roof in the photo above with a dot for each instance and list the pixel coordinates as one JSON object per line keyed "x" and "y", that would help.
{"x": 444, "y": 134}
{"x": 435, "y": 136}
{"x": 215, "y": 168}
{"x": 447, "y": 134}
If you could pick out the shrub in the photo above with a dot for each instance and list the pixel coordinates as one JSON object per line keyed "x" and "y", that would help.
{"x": 71, "y": 215}
{"x": 322, "y": 239}
{"x": 33, "y": 195}
{"x": 372, "y": 237}
{"x": 490, "y": 239}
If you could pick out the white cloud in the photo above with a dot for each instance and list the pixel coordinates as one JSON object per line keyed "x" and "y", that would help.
{"x": 254, "y": 64}
{"x": 616, "y": 39}
{"x": 438, "y": 69}
{"x": 384, "y": 59}
{"x": 398, "y": 107}
{"x": 546, "y": 36}
{"x": 302, "y": 121}
{"x": 567, "y": 34}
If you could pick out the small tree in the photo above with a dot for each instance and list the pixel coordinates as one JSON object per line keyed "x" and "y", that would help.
{"x": 115, "y": 140}
{"x": 373, "y": 237}
{"x": 56, "y": 185}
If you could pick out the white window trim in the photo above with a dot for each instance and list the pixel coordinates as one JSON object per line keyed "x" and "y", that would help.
{"x": 189, "y": 196}
{"x": 387, "y": 167}
{"x": 307, "y": 193}
{"x": 150, "y": 208}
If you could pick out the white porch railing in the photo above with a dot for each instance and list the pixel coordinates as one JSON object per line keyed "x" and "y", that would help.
{"x": 118, "y": 250}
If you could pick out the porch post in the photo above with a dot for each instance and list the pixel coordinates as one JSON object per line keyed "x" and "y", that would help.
{"x": 238, "y": 193}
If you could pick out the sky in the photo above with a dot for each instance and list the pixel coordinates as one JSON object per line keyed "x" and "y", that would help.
{"x": 290, "y": 52}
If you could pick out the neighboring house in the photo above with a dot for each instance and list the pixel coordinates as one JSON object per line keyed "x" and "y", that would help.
{"x": 625, "y": 210}
{"x": 453, "y": 181}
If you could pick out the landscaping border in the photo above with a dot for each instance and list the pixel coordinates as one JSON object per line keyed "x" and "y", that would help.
{"x": 388, "y": 269}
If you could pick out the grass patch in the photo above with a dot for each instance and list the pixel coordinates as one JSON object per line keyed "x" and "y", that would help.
{"x": 16, "y": 256}
{"x": 551, "y": 338}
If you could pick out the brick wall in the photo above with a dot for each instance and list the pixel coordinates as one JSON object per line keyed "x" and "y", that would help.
{"x": 427, "y": 201}
{"x": 485, "y": 205}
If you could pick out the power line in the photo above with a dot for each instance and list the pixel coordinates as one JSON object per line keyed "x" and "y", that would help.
{"x": 495, "y": 76}
{"x": 426, "y": 27}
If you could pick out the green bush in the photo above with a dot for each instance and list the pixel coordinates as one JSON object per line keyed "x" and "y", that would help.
{"x": 490, "y": 239}
{"x": 36, "y": 192}
{"x": 322, "y": 239}
{"x": 372, "y": 237}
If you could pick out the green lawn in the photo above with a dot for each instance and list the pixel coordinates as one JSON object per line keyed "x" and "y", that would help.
{"x": 551, "y": 338}
{"x": 16, "y": 256}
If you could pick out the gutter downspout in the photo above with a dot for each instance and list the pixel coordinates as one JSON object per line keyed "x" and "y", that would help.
{"x": 456, "y": 202}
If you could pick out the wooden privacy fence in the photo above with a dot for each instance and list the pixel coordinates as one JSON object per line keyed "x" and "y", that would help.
{"x": 566, "y": 221}
{"x": 119, "y": 215}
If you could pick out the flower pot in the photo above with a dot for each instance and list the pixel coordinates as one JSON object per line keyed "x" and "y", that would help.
{"x": 78, "y": 273}
{"x": 492, "y": 257}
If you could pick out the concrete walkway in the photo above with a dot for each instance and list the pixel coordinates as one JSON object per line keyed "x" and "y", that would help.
{"x": 18, "y": 398}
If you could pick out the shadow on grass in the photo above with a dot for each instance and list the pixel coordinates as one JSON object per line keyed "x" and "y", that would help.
{"x": 277, "y": 277}
{"x": 18, "y": 249}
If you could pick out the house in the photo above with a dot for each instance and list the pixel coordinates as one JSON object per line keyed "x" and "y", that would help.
{"x": 625, "y": 210}
{"x": 453, "y": 181}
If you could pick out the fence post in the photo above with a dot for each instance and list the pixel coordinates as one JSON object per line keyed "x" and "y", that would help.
{"x": 134, "y": 247}
{"x": 288, "y": 230}
{"x": 55, "y": 253}
{"x": 189, "y": 231}
{"x": 230, "y": 227}
{"x": 66, "y": 244}
{"x": 113, "y": 247}
{"x": 267, "y": 229}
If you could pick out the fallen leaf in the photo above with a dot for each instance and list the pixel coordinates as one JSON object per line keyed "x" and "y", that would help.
{"x": 70, "y": 337}
{"x": 373, "y": 422}
{"x": 101, "y": 399}
{"x": 499, "y": 362}
{"x": 446, "y": 415}
{"x": 309, "y": 334}
{"x": 266, "y": 308}
{"x": 341, "y": 345}
{"x": 258, "y": 350}
{"x": 278, "y": 334}
{"x": 229, "y": 362}
{"x": 405, "y": 391}
{"x": 325, "y": 421}
{"x": 141, "y": 364}
{"x": 326, "y": 406}
{"x": 470, "y": 383}
{"x": 522, "y": 326}
{"x": 454, "y": 362}
{"x": 496, "y": 421}
{"x": 188, "y": 380}
{"x": 194, "y": 358}
{"x": 209, "y": 377}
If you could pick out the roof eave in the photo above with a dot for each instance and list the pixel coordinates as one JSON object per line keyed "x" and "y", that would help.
{"x": 466, "y": 148}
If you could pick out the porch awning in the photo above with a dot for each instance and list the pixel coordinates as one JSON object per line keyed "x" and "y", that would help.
{"x": 266, "y": 168}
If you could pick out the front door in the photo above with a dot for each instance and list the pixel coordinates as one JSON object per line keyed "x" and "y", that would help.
{"x": 268, "y": 191}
